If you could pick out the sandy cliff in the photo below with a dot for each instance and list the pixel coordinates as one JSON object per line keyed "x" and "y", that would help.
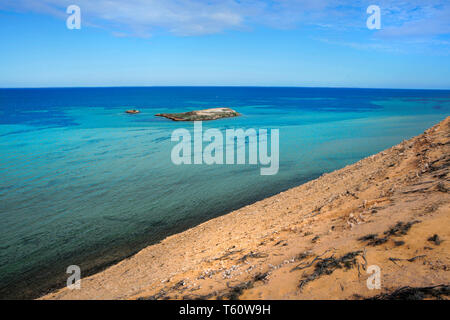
{"x": 315, "y": 241}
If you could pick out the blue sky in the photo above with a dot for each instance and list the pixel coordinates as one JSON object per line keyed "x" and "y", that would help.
{"x": 226, "y": 42}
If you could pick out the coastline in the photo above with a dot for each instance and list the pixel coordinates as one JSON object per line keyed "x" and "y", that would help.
{"x": 252, "y": 253}
{"x": 35, "y": 290}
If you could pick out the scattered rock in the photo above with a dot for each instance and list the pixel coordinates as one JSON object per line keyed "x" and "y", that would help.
{"x": 437, "y": 241}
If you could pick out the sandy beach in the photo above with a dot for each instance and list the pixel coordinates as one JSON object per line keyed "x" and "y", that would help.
{"x": 315, "y": 241}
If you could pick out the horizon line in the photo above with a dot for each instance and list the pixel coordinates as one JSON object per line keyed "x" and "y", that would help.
{"x": 218, "y": 86}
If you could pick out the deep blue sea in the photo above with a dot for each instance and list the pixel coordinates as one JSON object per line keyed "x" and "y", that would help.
{"x": 83, "y": 183}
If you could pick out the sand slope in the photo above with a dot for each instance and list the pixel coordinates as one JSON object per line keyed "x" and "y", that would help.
{"x": 303, "y": 243}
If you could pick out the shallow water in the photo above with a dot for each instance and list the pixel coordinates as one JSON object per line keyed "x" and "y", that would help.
{"x": 83, "y": 183}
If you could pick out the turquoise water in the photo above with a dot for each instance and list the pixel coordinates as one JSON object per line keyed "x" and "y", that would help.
{"x": 83, "y": 183}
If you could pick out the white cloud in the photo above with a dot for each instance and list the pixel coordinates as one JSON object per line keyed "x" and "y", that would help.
{"x": 421, "y": 21}
{"x": 198, "y": 17}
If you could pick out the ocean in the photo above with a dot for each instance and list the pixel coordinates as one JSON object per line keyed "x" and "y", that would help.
{"x": 82, "y": 183}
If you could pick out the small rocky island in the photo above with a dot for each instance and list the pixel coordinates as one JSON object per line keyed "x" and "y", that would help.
{"x": 132, "y": 111}
{"x": 201, "y": 115}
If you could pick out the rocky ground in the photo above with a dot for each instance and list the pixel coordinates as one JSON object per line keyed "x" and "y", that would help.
{"x": 201, "y": 115}
{"x": 315, "y": 241}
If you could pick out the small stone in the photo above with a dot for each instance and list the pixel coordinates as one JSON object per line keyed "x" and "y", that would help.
{"x": 437, "y": 241}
